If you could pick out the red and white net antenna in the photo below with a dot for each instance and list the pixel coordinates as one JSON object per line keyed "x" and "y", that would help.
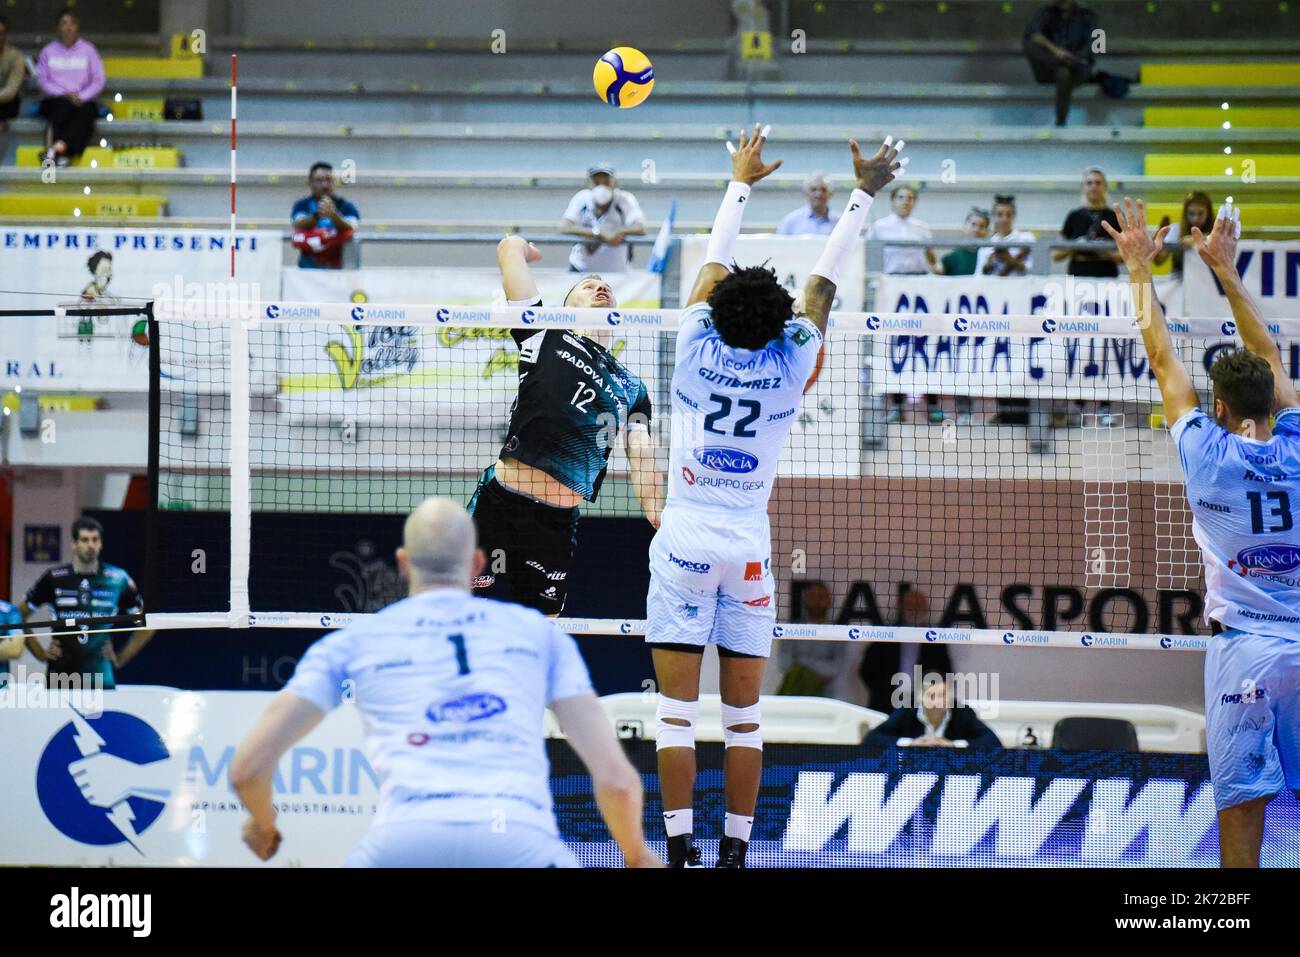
{"x": 234, "y": 70}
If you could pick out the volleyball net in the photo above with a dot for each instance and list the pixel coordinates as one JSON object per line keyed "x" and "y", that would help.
{"x": 1017, "y": 471}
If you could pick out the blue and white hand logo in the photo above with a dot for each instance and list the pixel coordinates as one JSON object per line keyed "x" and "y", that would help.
{"x": 104, "y": 782}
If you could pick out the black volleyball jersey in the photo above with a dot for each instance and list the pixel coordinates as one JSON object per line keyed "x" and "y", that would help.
{"x": 575, "y": 398}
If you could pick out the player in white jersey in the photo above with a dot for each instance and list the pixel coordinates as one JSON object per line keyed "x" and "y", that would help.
{"x": 1242, "y": 468}
{"x": 451, "y": 690}
{"x": 742, "y": 361}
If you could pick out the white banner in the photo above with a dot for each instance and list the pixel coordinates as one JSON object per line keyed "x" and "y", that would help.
{"x": 831, "y": 404}
{"x": 366, "y": 371}
{"x": 976, "y": 360}
{"x": 152, "y": 781}
{"x": 52, "y": 267}
{"x": 1271, "y": 271}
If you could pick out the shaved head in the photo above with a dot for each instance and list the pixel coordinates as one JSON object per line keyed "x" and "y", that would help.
{"x": 438, "y": 544}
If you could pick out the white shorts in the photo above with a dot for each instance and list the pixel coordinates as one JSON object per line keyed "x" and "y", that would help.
{"x": 1252, "y": 716}
{"x": 440, "y": 844}
{"x": 711, "y": 581}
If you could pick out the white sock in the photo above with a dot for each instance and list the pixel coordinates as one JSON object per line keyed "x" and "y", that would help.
{"x": 738, "y": 825}
{"x": 679, "y": 822}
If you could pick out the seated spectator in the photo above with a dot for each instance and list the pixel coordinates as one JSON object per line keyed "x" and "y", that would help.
{"x": 961, "y": 261}
{"x": 1058, "y": 43}
{"x": 12, "y": 71}
{"x": 604, "y": 216}
{"x": 901, "y": 224}
{"x": 1004, "y": 260}
{"x": 1085, "y": 222}
{"x": 1198, "y": 211}
{"x": 815, "y": 667}
{"x": 938, "y": 721}
{"x": 814, "y": 219}
{"x": 883, "y": 661}
{"x": 71, "y": 75}
{"x": 323, "y": 223}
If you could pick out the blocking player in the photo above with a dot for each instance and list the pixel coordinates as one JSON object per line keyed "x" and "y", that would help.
{"x": 452, "y": 690}
{"x": 1242, "y": 467}
{"x": 742, "y": 360}
{"x": 575, "y": 398}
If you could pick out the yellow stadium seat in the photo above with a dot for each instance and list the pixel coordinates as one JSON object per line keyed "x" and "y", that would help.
{"x": 137, "y": 109}
{"x": 152, "y": 67}
{"x": 1214, "y": 166}
{"x": 1253, "y": 117}
{"x": 1221, "y": 74}
{"x": 135, "y": 157}
{"x": 66, "y": 204}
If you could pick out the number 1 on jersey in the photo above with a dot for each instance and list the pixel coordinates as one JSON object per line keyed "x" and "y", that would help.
{"x": 462, "y": 658}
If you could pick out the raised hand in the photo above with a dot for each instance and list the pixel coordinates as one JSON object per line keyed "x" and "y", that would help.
{"x": 877, "y": 172}
{"x": 1219, "y": 249}
{"x": 747, "y": 162}
{"x": 1136, "y": 246}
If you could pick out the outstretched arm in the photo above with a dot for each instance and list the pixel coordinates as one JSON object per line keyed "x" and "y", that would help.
{"x": 872, "y": 174}
{"x": 1219, "y": 252}
{"x": 1137, "y": 248}
{"x": 746, "y": 169}
{"x": 514, "y": 254}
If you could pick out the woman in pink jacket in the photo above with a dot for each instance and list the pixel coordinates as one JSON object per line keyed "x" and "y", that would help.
{"x": 71, "y": 75}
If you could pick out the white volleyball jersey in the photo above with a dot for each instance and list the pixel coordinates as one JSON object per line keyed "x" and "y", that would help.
{"x": 732, "y": 411}
{"x": 1243, "y": 495}
{"x": 452, "y": 691}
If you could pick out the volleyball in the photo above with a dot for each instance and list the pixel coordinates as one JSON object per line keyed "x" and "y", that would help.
{"x": 624, "y": 77}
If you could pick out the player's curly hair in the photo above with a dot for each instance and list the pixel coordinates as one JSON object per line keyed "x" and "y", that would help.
{"x": 750, "y": 307}
{"x": 1244, "y": 382}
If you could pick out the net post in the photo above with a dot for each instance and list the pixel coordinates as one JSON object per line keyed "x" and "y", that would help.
{"x": 241, "y": 515}
{"x": 152, "y": 553}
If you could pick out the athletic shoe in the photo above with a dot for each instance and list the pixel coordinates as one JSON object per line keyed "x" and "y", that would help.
{"x": 683, "y": 853}
{"x": 731, "y": 852}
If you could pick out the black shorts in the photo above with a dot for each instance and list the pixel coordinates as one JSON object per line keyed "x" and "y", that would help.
{"x": 529, "y": 546}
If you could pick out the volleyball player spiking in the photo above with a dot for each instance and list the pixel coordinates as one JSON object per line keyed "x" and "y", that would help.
{"x": 575, "y": 400}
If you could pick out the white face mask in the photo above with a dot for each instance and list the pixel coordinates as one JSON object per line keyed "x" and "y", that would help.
{"x": 601, "y": 195}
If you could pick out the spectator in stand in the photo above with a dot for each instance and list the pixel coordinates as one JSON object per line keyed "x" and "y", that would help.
{"x": 887, "y": 666}
{"x": 961, "y": 261}
{"x": 604, "y": 216}
{"x": 815, "y": 667}
{"x": 814, "y": 219}
{"x": 71, "y": 75}
{"x": 323, "y": 223}
{"x": 905, "y": 261}
{"x": 1004, "y": 260}
{"x": 1058, "y": 42}
{"x": 937, "y": 721}
{"x": 1198, "y": 212}
{"x": 12, "y": 71}
{"x": 901, "y": 224}
{"x": 1085, "y": 223}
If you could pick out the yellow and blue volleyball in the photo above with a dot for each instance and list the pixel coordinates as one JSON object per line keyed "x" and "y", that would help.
{"x": 624, "y": 77}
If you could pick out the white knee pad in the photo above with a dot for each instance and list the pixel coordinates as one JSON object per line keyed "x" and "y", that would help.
{"x": 675, "y": 735}
{"x": 734, "y": 717}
